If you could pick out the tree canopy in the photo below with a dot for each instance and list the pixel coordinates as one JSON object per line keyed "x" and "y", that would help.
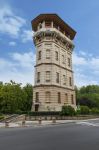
{"x": 88, "y": 96}
{"x": 14, "y": 98}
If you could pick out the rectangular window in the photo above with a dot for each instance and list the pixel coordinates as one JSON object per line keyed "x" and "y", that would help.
{"x": 47, "y": 76}
{"x": 66, "y": 98}
{"x": 57, "y": 77}
{"x": 38, "y": 77}
{"x": 64, "y": 79}
{"x": 72, "y": 99}
{"x": 56, "y": 55}
{"x": 67, "y": 46}
{"x": 70, "y": 81}
{"x": 39, "y": 55}
{"x": 48, "y": 95}
{"x": 59, "y": 97}
{"x": 69, "y": 63}
{"x": 48, "y": 54}
{"x": 63, "y": 59}
{"x": 37, "y": 97}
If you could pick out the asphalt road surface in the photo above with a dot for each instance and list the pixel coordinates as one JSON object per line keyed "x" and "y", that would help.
{"x": 73, "y": 136}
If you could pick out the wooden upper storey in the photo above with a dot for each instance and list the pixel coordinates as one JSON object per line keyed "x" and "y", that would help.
{"x": 53, "y": 20}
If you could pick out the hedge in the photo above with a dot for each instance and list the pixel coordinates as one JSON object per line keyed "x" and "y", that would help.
{"x": 44, "y": 113}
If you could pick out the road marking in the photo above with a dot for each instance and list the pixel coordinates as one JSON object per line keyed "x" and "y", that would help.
{"x": 88, "y": 123}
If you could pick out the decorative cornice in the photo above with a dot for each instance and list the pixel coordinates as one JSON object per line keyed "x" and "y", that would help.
{"x": 53, "y": 64}
{"x": 54, "y": 34}
{"x": 43, "y": 85}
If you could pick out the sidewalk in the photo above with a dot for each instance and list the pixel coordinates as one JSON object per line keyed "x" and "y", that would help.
{"x": 36, "y": 123}
{"x": 43, "y": 123}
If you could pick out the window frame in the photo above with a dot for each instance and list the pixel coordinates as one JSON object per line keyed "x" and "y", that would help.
{"x": 48, "y": 78}
{"x": 56, "y": 56}
{"x": 70, "y": 81}
{"x": 48, "y": 96}
{"x": 66, "y": 98}
{"x": 64, "y": 79}
{"x": 72, "y": 99}
{"x": 59, "y": 97}
{"x": 37, "y": 97}
{"x": 38, "y": 77}
{"x": 63, "y": 59}
{"x": 39, "y": 55}
{"x": 69, "y": 62}
{"x": 48, "y": 53}
{"x": 57, "y": 77}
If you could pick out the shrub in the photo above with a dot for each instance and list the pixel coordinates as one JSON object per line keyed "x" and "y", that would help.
{"x": 67, "y": 111}
{"x": 1, "y": 117}
{"x": 94, "y": 111}
{"x": 85, "y": 101}
{"x": 84, "y": 110}
{"x": 44, "y": 113}
{"x": 18, "y": 112}
{"x": 78, "y": 112}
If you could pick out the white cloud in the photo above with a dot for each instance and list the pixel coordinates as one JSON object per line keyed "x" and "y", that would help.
{"x": 79, "y": 60}
{"x": 14, "y": 25}
{"x": 86, "y": 61}
{"x": 81, "y": 79}
{"x": 9, "y": 22}
{"x": 82, "y": 53}
{"x": 95, "y": 63}
{"x": 19, "y": 68}
{"x": 12, "y": 43}
{"x": 4, "y": 64}
{"x": 25, "y": 59}
{"x": 27, "y": 35}
{"x": 86, "y": 69}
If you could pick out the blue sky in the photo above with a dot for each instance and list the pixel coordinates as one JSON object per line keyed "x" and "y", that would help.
{"x": 17, "y": 52}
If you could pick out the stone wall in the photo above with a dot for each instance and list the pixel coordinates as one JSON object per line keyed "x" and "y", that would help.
{"x": 53, "y": 105}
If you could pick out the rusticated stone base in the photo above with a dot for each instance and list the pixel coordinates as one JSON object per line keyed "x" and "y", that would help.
{"x": 53, "y": 105}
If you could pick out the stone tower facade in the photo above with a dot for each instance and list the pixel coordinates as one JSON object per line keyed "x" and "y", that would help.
{"x": 54, "y": 82}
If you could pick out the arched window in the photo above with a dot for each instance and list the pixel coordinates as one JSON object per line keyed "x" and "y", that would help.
{"x": 72, "y": 99}
{"x": 48, "y": 97}
{"x": 59, "y": 97}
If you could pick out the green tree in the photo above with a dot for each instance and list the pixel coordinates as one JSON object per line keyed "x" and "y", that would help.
{"x": 88, "y": 96}
{"x": 28, "y": 89}
{"x": 84, "y": 110}
{"x": 12, "y": 97}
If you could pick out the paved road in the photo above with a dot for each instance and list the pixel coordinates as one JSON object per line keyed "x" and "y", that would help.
{"x": 59, "y": 137}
